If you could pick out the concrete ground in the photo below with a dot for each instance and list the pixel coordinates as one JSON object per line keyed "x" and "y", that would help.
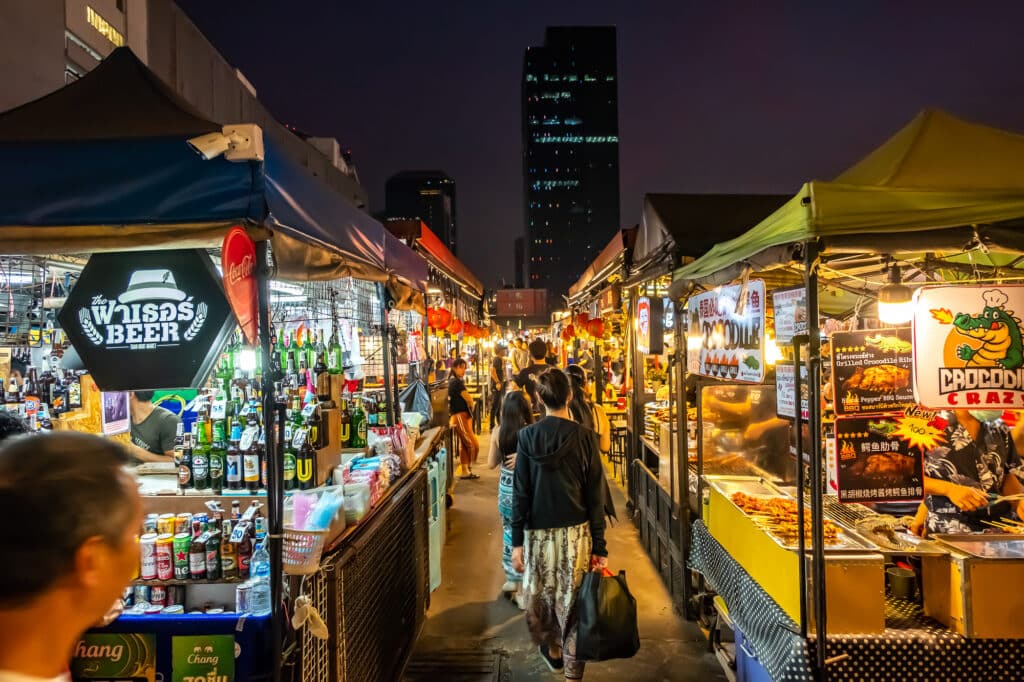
{"x": 468, "y": 612}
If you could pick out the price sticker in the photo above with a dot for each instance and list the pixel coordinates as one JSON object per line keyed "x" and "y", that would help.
{"x": 218, "y": 410}
{"x": 300, "y": 437}
{"x": 248, "y": 436}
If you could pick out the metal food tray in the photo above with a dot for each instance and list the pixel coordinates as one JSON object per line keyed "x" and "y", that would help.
{"x": 846, "y": 541}
{"x": 986, "y": 546}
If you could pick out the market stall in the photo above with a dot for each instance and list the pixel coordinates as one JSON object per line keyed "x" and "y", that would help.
{"x": 875, "y": 301}
{"x": 165, "y": 226}
{"x": 675, "y": 228}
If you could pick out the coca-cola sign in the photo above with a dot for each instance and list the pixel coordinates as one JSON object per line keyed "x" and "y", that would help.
{"x": 238, "y": 262}
{"x": 148, "y": 320}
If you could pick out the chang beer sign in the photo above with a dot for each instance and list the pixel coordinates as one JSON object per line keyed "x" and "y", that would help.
{"x": 203, "y": 658}
{"x": 148, "y": 320}
{"x": 968, "y": 348}
{"x": 115, "y": 658}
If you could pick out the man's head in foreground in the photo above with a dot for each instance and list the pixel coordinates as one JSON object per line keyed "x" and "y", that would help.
{"x": 71, "y": 514}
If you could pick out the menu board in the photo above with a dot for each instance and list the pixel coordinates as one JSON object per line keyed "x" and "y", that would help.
{"x": 968, "y": 348}
{"x": 785, "y": 391}
{"x": 790, "y": 306}
{"x": 876, "y": 463}
{"x": 871, "y": 371}
{"x": 731, "y": 335}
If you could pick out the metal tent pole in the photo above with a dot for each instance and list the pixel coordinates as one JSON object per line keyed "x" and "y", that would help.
{"x": 390, "y": 385}
{"x": 682, "y": 451}
{"x": 814, "y": 423}
{"x": 275, "y": 484}
{"x": 800, "y": 485}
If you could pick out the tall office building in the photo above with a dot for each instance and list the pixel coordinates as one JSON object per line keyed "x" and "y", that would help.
{"x": 570, "y": 153}
{"x": 425, "y": 195}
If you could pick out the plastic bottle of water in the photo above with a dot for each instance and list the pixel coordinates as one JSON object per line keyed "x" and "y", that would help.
{"x": 260, "y": 568}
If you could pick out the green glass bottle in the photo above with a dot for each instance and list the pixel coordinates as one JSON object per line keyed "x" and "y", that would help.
{"x": 281, "y": 349}
{"x": 201, "y": 454}
{"x": 309, "y": 350}
{"x": 218, "y": 458}
{"x": 335, "y": 364}
{"x": 358, "y": 427}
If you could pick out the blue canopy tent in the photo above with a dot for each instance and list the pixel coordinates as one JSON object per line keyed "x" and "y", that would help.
{"x": 104, "y": 164}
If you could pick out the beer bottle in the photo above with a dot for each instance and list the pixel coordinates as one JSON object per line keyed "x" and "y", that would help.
{"x": 244, "y": 556}
{"x": 218, "y": 454}
{"x": 236, "y": 510}
{"x": 197, "y": 553}
{"x": 305, "y": 461}
{"x": 335, "y": 356}
{"x": 262, "y": 453}
{"x": 228, "y": 556}
{"x": 323, "y": 378}
{"x": 358, "y": 427}
{"x": 382, "y": 410}
{"x": 200, "y": 457}
{"x": 234, "y": 458}
{"x": 251, "y": 454}
{"x": 289, "y": 466}
{"x": 213, "y": 560}
{"x": 185, "y": 481}
{"x": 346, "y": 425}
{"x": 309, "y": 350}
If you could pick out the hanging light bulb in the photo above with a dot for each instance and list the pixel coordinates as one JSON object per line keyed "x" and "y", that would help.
{"x": 895, "y": 300}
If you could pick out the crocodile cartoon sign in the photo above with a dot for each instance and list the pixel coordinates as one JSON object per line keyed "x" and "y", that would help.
{"x": 968, "y": 351}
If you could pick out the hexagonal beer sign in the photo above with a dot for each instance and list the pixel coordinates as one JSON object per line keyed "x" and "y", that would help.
{"x": 148, "y": 319}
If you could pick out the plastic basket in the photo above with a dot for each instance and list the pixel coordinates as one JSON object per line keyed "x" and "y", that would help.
{"x": 301, "y": 550}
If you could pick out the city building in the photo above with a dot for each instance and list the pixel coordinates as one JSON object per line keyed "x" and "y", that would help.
{"x": 50, "y": 43}
{"x": 427, "y": 195}
{"x": 570, "y": 153}
{"x": 519, "y": 260}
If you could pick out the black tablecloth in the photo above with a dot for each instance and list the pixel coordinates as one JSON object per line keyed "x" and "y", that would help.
{"x": 913, "y": 647}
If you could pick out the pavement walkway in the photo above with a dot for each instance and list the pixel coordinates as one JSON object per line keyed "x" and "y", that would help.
{"x": 469, "y": 619}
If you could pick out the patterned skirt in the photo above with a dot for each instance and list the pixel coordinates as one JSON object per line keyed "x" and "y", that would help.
{"x": 556, "y": 560}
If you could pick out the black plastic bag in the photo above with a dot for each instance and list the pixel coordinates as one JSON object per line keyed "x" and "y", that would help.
{"x": 606, "y": 611}
{"x": 416, "y": 398}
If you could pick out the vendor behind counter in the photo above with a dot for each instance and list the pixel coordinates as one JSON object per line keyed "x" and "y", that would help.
{"x": 154, "y": 429}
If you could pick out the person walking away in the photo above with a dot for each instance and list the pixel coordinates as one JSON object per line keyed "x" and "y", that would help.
{"x": 585, "y": 411}
{"x": 497, "y": 386}
{"x": 558, "y": 521}
{"x": 71, "y": 551}
{"x": 520, "y": 356}
{"x": 551, "y": 360}
{"x": 526, "y": 379}
{"x": 154, "y": 429}
{"x": 515, "y": 416}
{"x": 460, "y": 407}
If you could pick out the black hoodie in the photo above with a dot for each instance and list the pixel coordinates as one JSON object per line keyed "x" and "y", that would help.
{"x": 558, "y": 481}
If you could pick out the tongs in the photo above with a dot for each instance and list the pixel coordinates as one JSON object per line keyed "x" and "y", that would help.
{"x": 994, "y": 499}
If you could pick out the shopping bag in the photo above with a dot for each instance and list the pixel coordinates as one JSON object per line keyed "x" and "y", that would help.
{"x": 416, "y": 398}
{"x": 606, "y": 618}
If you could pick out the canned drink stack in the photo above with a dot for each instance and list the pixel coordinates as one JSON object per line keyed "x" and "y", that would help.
{"x": 165, "y": 556}
{"x": 182, "y": 542}
{"x": 165, "y": 524}
{"x": 147, "y": 551}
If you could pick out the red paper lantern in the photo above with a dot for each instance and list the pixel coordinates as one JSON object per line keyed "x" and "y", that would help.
{"x": 596, "y": 328}
{"x": 568, "y": 333}
{"x": 582, "y": 319}
{"x": 455, "y": 328}
{"x": 444, "y": 318}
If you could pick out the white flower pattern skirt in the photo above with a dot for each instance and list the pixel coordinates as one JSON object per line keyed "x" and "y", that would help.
{"x": 556, "y": 560}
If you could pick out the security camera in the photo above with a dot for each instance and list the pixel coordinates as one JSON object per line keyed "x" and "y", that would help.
{"x": 237, "y": 142}
{"x": 210, "y": 146}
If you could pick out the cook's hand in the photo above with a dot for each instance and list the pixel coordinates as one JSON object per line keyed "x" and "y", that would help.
{"x": 517, "y": 560}
{"x": 966, "y": 498}
{"x": 598, "y": 562}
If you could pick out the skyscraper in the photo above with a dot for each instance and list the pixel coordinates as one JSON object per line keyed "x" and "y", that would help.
{"x": 570, "y": 153}
{"x": 425, "y": 195}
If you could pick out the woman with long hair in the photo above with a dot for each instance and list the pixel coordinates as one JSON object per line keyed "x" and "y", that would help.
{"x": 460, "y": 407}
{"x": 558, "y": 521}
{"x": 516, "y": 415}
{"x": 587, "y": 412}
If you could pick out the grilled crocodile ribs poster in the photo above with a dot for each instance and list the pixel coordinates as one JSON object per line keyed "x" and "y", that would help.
{"x": 968, "y": 348}
{"x": 871, "y": 371}
{"x": 878, "y": 460}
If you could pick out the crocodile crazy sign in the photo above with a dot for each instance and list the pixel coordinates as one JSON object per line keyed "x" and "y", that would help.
{"x": 148, "y": 319}
{"x": 968, "y": 351}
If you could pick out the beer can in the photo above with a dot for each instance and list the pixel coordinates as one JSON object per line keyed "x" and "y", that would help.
{"x": 183, "y": 523}
{"x": 182, "y": 542}
{"x": 165, "y": 524}
{"x": 158, "y": 596}
{"x": 147, "y": 551}
{"x": 173, "y": 609}
{"x": 128, "y": 596}
{"x": 243, "y": 594}
{"x": 203, "y": 519}
{"x": 149, "y": 524}
{"x": 141, "y": 594}
{"x": 175, "y": 595}
{"x": 165, "y": 556}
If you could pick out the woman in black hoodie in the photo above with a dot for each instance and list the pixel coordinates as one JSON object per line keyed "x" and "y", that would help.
{"x": 558, "y": 521}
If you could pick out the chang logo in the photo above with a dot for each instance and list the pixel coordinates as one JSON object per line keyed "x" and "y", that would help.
{"x": 152, "y": 312}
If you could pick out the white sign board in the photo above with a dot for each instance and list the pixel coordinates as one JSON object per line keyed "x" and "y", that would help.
{"x": 731, "y": 335}
{"x": 790, "y": 306}
{"x": 785, "y": 390}
{"x": 968, "y": 351}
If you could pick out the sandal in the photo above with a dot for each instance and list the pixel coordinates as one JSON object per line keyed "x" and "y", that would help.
{"x": 469, "y": 477}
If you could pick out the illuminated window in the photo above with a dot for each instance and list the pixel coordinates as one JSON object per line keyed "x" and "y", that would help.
{"x": 104, "y": 27}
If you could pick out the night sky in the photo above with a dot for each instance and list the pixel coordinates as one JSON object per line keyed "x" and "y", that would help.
{"x": 713, "y": 97}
